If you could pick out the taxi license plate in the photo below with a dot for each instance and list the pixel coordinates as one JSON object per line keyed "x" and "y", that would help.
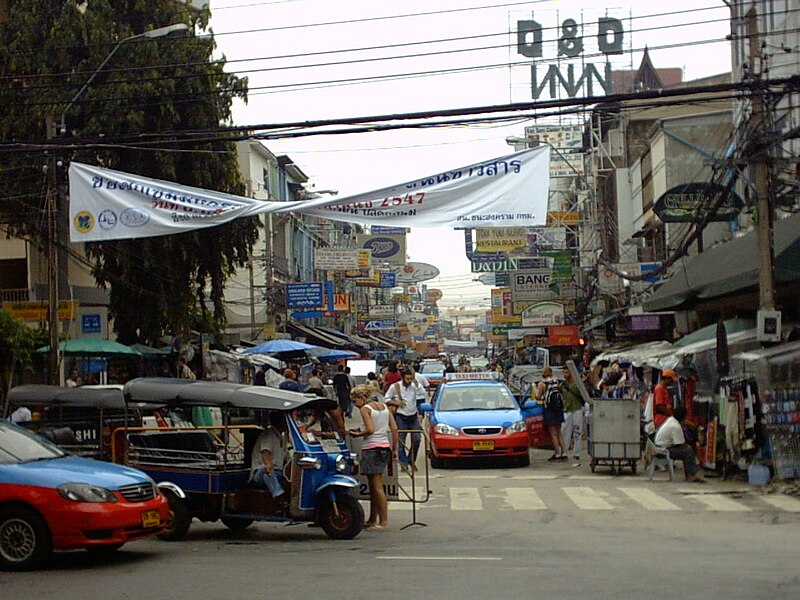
{"x": 487, "y": 445}
{"x": 151, "y": 518}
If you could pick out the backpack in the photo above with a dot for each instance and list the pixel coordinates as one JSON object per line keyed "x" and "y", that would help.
{"x": 553, "y": 398}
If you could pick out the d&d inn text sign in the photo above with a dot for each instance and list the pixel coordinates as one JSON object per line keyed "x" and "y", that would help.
{"x": 609, "y": 35}
{"x": 511, "y": 264}
{"x": 688, "y": 202}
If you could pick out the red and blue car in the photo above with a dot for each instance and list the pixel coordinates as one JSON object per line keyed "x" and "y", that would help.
{"x": 474, "y": 415}
{"x": 51, "y": 500}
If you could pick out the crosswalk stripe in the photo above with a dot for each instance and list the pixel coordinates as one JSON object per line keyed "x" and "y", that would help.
{"x": 783, "y": 502}
{"x": 648, "y": 498}
{"x": 524, "y": 499}
{"x": 720, "y": 503}
{"x": 465, "y": 499}
{"x": 529, "y": 477}
{"x": 476, "y": 477}
{"x": 586, "y": 498}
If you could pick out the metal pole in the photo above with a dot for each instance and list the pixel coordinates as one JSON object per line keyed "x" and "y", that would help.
{"x": 766, "y": 277}
{"x": 52, "y": 260}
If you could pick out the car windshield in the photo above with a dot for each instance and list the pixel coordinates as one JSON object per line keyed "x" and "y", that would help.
{"x": 483, "y": 397}
{"x": 18, "y": 446}
{"x": 431, "y": 367}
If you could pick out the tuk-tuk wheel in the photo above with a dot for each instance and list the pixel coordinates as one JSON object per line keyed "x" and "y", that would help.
{"x": 235, "y": 523}
{"x": 343, "y": 522}
{"x": 180, "y": 518}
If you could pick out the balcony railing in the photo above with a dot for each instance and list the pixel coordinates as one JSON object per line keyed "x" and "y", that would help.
{"x": 14, "y": 295}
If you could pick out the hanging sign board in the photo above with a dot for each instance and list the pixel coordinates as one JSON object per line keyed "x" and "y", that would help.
{"x": 389, "y": 249}
{"x": 683, "y": 203}
{"x": 543, "y": 314}
{"x": 341, "y": 259}
{"x": 510, "y": 191}
{"x": 414, "y": 272}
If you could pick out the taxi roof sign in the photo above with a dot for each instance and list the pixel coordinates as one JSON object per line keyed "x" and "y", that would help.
{"x": 475, "y": 376}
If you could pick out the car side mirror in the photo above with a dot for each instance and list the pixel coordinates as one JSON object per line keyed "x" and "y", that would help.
{"x": 530, "y": 404}
{"x": 426, "y": 407}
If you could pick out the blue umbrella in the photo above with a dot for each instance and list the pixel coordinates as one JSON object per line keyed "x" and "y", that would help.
{"x": 278, "y": 346}
{"x": 336, "y": 355}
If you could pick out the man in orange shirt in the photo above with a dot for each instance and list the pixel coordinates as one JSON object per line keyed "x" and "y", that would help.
{"x": 662, "y": 400}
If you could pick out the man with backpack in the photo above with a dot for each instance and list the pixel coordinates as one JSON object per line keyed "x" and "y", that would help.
{"x": 549, "y": 393}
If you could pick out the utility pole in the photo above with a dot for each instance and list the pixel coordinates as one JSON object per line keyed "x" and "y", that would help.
{"x": 51, "y": 205}
{"x": 764, "y": 227}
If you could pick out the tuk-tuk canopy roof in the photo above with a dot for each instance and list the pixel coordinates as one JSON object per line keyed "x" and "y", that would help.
{"x": 187, "y": 392}
{"x": 54, "y": 395}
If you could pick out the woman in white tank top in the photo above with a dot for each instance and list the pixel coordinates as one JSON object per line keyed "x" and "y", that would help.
{"x": 379, "y": 447}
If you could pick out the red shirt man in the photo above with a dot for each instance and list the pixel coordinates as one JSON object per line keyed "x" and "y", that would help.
{"x": 662, "y": 400}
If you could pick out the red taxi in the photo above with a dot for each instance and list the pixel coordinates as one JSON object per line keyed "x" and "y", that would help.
{"x": 50, "y": 500}
{"x": 474, "y": 415}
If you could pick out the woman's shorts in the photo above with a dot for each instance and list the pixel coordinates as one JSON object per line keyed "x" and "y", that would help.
{"x": 374, "y": 460}
{"x": 553, "y": 417}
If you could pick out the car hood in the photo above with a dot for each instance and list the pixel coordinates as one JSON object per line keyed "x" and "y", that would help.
{"x": 477, "y": 418}
{"x": 71, "y": 469}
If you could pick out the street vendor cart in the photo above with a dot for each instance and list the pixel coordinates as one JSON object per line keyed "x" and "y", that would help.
{"x": 614, "y": 433}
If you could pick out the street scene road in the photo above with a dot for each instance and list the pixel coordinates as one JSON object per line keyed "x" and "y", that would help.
{"x": 489, "y": 533}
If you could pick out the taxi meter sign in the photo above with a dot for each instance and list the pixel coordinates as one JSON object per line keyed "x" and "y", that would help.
{"x": 475, "y": 376}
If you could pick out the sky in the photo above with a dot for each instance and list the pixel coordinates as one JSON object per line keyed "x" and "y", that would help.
{"x": 446, "y": 54}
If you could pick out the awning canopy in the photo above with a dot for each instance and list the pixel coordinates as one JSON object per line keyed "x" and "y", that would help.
{"x": 322, "y": 338}
{"x": 729, "y": 268}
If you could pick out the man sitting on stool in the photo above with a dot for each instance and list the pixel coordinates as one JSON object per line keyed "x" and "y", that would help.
{"x": 670, "y": 436}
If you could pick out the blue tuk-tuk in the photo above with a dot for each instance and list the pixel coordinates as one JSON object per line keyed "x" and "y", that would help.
{"x": 204, "y": 468}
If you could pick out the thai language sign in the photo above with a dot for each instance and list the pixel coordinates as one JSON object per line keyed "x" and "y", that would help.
{"x": 512, "y": 190}
{"x": 341, "y": 259}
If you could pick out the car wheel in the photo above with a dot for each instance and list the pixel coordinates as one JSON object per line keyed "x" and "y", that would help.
{"x": 522, "y": 461}
{"x": 236, "y": 524}
{"x": 437, "y": 462}
{"x": 180, "y": 518}
{"x": 25, "y": 541}
{"x": 345, "y": 520}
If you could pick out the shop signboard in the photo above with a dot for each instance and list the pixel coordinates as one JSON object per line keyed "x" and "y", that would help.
{"x": 380, "y": 311}
{"x": 35, "y": 310}
{"x": 414, "y": 272}
{"x": 681, "y": 203}
{"x": 341, "y": 259}
{"x": 546, "y": 238}
{"x": 304, "y": 295}
{"x": 432, "y": 296}
{"x": 501, "y": 239}
{"x": 389, "y": 249}
{"x": 563, "y": 335}
{"x": 387, "y": 280}
{"x": 501, "y": 307}
{"x": 567, "y": 163}
{"x": 512, "y": 263}
{"x": 569, "y": 219}
{"x": 380, "y": 325}
{"x": 645, "y": 323}
{"x": 532, "y": 284}
{"x": 414, "y": 323}
{"x": 543, "y": 314}
{"x": 568, "y": 137}
{"x": 381, "y": 230}
{"x": 518, "y": 333}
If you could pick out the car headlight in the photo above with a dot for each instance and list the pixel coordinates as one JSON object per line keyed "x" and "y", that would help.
{"x": 340, "y": 464}
{"x": 517, "y": 427}
{"x": 84, "y": 492}
{"x": 445, "y": 429}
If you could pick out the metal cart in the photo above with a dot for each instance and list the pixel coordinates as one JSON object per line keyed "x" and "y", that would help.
{"x": 613, "y": 433}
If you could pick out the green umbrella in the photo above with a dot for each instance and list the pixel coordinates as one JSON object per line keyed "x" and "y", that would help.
{"x": 149, "y": 351}
{"x": 94, "y": 347}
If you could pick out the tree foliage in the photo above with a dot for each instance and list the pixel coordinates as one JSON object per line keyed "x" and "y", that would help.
{"x": 48, "y": 50}
{"x": 18, "y": 343}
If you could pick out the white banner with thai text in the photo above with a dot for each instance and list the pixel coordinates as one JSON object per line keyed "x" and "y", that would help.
{"x": 502, "y": 192}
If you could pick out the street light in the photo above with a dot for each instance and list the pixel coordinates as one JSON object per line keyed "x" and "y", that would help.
{"x": 54, "y": 217}
{"x": 175, "y": 30}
